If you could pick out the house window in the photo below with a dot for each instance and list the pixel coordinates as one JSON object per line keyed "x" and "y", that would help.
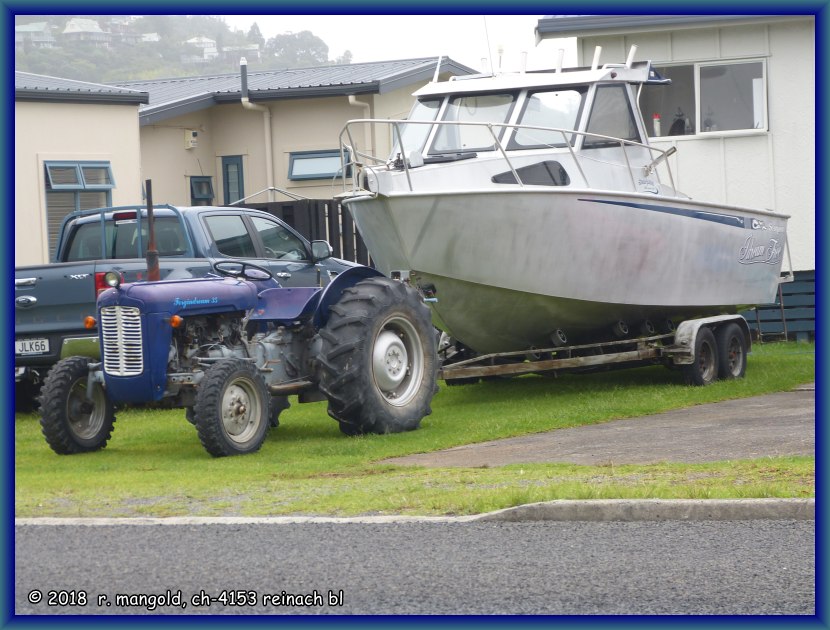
{"x": 201, "y": 191}
{"x": 74, "y": 186}
{"x": 233, "y": 186}
{"x": 314, "y": 164}
{"x": 707, "y": 97}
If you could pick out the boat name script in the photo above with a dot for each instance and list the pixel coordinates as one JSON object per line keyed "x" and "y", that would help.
{"x": 753, "y": 252}
{"x": 758, "y": 224}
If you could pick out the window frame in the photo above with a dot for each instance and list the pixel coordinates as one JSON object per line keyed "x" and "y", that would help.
{"x": 699, "y": 129}
{"x": 295, "y": 156}
{"x": 199, "y": 196}
{"x": 80, "y": 180}
{"x": 227, "y": 162}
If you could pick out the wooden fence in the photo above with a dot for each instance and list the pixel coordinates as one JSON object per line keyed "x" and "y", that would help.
{"x": 322, "y": 219}
{"x": 792, "y": 315}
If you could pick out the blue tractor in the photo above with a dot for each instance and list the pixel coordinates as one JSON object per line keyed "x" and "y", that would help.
{"x": 229, "y": 349}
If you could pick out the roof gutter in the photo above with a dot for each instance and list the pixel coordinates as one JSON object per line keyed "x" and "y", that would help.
{"x": 266, "y": 121}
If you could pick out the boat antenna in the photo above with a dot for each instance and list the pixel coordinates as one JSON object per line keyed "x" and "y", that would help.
{"x": 489, "y": 51}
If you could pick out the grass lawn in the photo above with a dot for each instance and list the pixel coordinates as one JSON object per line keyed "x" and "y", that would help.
{"x": 154, "y": 464}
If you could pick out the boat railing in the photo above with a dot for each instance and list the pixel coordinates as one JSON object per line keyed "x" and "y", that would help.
{"x": 352, "y": 156}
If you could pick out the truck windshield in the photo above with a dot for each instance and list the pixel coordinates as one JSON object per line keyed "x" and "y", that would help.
{"x": 121, "y": 240}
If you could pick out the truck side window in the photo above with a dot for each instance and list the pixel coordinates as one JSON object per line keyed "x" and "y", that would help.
{"x": 85, "y": 244}
{"x": 279, "y": 242}
{"x": 231, "y": 236}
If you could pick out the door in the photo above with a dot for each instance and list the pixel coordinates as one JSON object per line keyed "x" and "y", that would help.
{"x": 232, "y": 180}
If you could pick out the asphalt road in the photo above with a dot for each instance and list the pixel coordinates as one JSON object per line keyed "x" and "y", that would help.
{"x": 760, "y": 567}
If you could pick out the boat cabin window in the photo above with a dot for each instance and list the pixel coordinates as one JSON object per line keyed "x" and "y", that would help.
{"x": 559, "y": 109}
{"x": 414, "y": 137}
{"x": 473, "y": 108}
{"x": 611, "y": 115}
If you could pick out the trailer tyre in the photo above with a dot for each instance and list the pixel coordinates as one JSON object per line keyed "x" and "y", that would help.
{"x": 731, "y": 343}
{"x": 704, "y": 369}
{"x": 378, "y": 363}
{"x": 232, "y": 408}
{"x": 69, "y": 420}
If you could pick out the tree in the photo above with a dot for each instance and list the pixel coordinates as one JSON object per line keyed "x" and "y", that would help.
{"x": 294, "y": 50}
{"x": 255, "y": 36}
{"x": 345, "y": 58}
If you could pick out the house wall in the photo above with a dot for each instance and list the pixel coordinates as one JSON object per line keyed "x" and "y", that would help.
{"x": 773, "y": 169}
{"x": 229, "y": 129}
{"x": 68, "y": 131}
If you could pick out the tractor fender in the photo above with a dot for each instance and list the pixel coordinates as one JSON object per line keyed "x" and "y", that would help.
{"x": 331, "y": 294}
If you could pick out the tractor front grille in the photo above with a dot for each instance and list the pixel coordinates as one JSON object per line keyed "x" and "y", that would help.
{"x": 123, "y": 350}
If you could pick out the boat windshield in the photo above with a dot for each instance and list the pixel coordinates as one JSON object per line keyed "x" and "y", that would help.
{"x": 611, "y": 115}
{"x": 549, "y": 108}
{"x": 414, "y": 137}
{"x": 477, "y": 108}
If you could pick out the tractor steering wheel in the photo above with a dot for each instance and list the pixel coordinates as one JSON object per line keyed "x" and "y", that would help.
{"x": 240, "y": 269}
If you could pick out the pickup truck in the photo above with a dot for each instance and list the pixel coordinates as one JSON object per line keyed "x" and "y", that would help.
{"x": 52, "y": 301}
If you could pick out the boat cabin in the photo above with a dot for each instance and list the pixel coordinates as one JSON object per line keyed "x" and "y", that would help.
{"x": 578, "y": 127}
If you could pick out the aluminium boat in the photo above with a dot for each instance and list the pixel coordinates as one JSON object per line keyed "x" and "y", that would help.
{"x": 532, "y": 212}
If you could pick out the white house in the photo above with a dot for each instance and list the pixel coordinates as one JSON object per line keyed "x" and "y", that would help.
{"x": 740, "y": 108}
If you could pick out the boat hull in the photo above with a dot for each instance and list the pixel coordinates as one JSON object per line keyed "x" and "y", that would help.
{"x": 509, "y": 268}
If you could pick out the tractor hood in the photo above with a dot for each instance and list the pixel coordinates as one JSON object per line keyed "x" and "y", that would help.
{"x": 184, "y": 297}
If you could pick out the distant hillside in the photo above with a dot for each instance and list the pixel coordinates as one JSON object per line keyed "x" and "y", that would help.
{"x": 110, "y": 48}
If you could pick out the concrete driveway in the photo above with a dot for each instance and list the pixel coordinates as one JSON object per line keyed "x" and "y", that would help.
{"x": 749, "y": 428}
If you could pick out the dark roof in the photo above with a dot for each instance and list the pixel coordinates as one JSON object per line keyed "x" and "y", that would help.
{"x": 178, "y": 96}
{"x": 570, "y": 25}
{"x": 38, "y": 87}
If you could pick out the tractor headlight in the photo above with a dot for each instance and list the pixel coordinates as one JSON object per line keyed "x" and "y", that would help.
{"x": 112, "y": 279}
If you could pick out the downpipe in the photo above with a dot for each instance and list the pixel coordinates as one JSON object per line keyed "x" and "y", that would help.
{"x": 266, "y": 122}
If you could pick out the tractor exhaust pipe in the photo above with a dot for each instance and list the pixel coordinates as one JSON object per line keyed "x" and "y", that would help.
{"x": 153, "y": 270}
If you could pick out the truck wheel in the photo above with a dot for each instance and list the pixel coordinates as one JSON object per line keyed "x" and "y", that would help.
{"x": 70, "y": 421}
{"x": 704, "y": 369}
{"x": 731, "y": 343}
{"x": 232, "y": 408}
{"x": 26, "y": 395}
{"x": 378, "y": 363}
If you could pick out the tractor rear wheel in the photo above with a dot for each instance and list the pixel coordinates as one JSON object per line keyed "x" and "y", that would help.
{"x": 378, "y": 363}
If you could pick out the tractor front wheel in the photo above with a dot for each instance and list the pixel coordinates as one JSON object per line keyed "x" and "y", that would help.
{"x": 232, "y": 408}
{"x": 73, "y": 418}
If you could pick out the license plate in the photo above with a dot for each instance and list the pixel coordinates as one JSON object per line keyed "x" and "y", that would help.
{"x": 31, "y": 346}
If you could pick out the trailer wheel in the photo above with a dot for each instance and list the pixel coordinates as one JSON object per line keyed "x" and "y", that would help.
{"x": 232, "y": 408}
{"x": 704, "y": 369}
{"x": 378, "y": 364}
{"x": 731, "y": 343}
{"x": 69, "y": 420}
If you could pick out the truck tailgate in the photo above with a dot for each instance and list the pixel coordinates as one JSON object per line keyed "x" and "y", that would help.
{"x": 50, "y": 302}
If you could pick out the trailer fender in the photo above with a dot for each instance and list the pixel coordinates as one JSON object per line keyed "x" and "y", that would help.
{"x": 685, "y": 336}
